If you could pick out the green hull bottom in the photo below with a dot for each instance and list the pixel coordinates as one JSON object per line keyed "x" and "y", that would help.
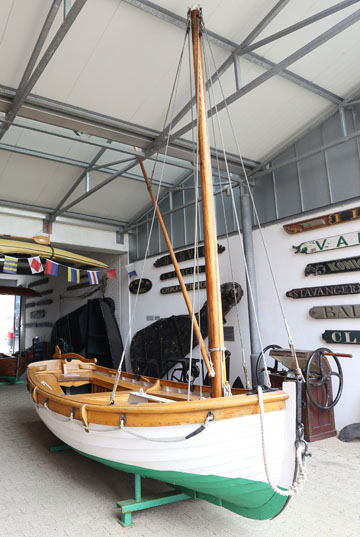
{"x": 251, "y": 499}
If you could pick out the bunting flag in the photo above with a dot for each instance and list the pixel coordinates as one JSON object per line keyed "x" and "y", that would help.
{"x": 93, "y": 276}
{"x": 73, "y": 275}
{"x": 131, "y": 270}
{"x": 51, "y": 268}
{"x": 10, "y": 265}
{"x": 111, "y": 274}
{"x": 35, "y": 265}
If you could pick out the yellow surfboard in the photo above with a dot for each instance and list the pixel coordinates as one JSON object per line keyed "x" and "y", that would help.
{"x": 40, "y": 245}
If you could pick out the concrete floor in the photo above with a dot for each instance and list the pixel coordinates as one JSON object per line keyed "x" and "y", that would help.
{"x": 67, "y": 495}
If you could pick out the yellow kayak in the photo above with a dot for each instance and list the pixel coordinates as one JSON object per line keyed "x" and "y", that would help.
{"x": 40, "y": 245}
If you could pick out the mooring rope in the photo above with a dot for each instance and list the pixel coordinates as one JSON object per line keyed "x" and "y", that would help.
{"x": 301, "y": 453}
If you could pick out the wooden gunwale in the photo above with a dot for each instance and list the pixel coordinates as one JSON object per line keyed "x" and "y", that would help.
{"x": 98, "y": 410}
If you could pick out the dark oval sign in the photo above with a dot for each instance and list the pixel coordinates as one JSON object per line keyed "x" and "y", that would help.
{"x": 140, "y": 286}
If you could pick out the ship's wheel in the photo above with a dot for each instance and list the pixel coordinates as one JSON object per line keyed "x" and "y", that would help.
{"x": 260, "y": 366}
{"x": 319, "y": 376}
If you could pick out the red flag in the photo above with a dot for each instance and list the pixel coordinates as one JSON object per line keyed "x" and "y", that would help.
{"x": 111, "y": 274}
{"x": 35, "y": 265}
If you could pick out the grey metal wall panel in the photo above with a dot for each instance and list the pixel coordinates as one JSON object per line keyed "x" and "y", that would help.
{"x": 344, "y": 171}
{"x": 332, "y": 129}
{"x": 264, "y": 198}
{"x": 287, "y": 188}
{"x": 177, "y": 197}
{"x": 312, "y": 172}
{"x": 322, "y": 179}
{"x": 154, "y": 239}
{"x": 164, "y": 206}
{"x": 224, "y": 219}
{"x": 178, "y": 228}
{"x": 142, "y": 240}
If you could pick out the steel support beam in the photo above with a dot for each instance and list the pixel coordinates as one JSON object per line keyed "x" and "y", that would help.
{"x": 29, "y": 82}
{"x": 31, "y": 63}
{"x": 297, "y": 26}
{"x": 76, "y": 183}
{"x": 237, "y": 50}
{"x": 98, "y": 142}
{"x": 253, "y": 313}
{"x": 308, "y": 154}
{"x": 77, "y": 163}
{"x": 94, "y": 124}
{"x": 99, "y": 186}
{"x": 276, "y": 69}
{"x": 75, "y": 216}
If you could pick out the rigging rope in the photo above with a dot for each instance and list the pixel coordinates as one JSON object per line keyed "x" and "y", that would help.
{"x": 172, "y": 100}
{"x": 212, "y": 99}
{"x": 301, "y": 453}
{"x": 292, "y": 348}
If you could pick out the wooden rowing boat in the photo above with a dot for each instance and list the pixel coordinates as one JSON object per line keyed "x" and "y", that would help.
{"x": 13, "y": 366}
{"x": 151, "y": 429}
{"x": 40, "y": 246}
{"x": 233, "y": 449}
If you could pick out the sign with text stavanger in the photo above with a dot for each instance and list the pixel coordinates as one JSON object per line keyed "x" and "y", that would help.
{"x": 325, "y": 290}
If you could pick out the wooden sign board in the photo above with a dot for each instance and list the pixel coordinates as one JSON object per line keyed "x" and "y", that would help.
{"x": 37, "y": 314}
{"x": 184, "y": 255}
{"x": 345, "y": 337}
{"x": 330, "y": 243}
{"x": 347, "y": 311}
{"x": 322, "y": 221}
{"x": 347, "y": 264}
{"x": 184, "y": 271}
{"x": 140, "y": 286}
{"x": 177, "y": 288}
{"x": 325, "y": 290}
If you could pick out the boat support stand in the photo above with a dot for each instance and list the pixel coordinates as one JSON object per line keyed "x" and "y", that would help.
{"x": 8, "y": 381}
{"x": 146, "y": 502}
{"x": 139, "y": 502}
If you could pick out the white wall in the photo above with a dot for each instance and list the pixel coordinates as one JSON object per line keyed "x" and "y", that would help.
{"x": 288, "y": 269}
{"x": 65, "y": 301}
{"x": 155, "y": 304}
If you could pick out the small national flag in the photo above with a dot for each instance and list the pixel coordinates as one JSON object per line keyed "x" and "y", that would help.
{"x": 10, "y": 265}
{"x": 73, "y": 275}
{"x": 93, "y": 276}
{"x": 51, "y": 268}
{"x": 131, "y": 270}
{"x": 35, "y": 265}
{"x": 111, "y": 273}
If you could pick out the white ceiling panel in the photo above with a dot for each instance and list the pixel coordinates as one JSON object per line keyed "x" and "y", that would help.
{"x": 119, "y": 200}
{"x": 118, "y": 62}
{"x": 20, "y": 25}
{"x": 32, "y": 180}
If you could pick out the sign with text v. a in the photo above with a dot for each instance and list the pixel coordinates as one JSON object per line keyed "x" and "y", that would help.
{"x": 329, "y": 243}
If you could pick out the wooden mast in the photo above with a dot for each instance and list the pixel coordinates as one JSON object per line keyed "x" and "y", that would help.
{"x": 216, "y": 333}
